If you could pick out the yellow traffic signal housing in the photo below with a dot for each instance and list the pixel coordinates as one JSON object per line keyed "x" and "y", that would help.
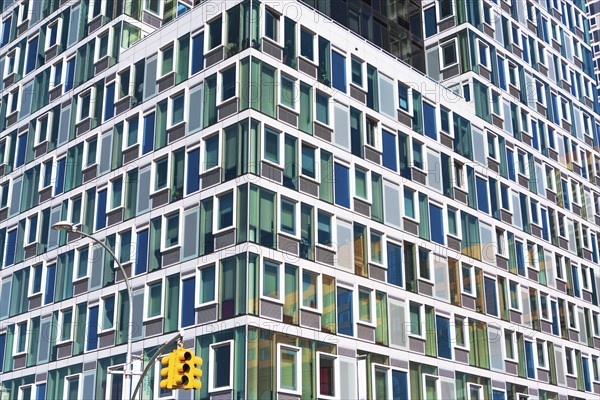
{"x": 166, "y": 372}
{"x": 182, "y": 370}
{"x": 194, "y": 374}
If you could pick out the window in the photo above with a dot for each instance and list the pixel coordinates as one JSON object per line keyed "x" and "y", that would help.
{"x": 197, "y": 53}
{"x": 108, "y": 313}
{"x": 32, "y": 50}
{"x": 288, "y": 92}
{"x": 271, "y": 280}
{"x": 307, "y": 44}
{"x": 310, "y": 289}
{"x": 415, "y": 319}
{"x": 72, "y": 387}
{"x": 449, "y": 57}
{"x": 53, "y": 32}
{"x": 509, "y": 345}
{"x": 514, "y": 295}
{"x": 153, "y": 299}
{"x": 177, "y": 108}
{"x": 271, "y": 147}
{"x": 211, "y": 152}
{"x": 484, "y": 54}
{"x": 403, "y": 98}
{"x": 221, "y": 366}
{"x": 389, "y": 158}
{"x": 288, "y": 216}
{"x": 445, "y": 9}
{"x": 271, "y": 25}
{"x": 322, "y": 107}
{"x": 342, "y": 185}
{"x": 430, "y": 121}
{"x": 345, "y": 317}
{"x": 328, "y": 381}
{"x": 444, "y": 337}
{"x": 357, "y": 71}
{"x": 215, "y": 34}
{"x": 225, "y": 214}
{"x": 491, "y": 302}
{"x": 102, "y": 44}
{"x": 468, "y": 279}
{"x": 21, "y": 337}
{"x": 228, "y": 83}
{"x": 85, "y": 105}
{"x": 360, "y": 183}
{"x": 365, "y": 303}
{"x": 171, "y": 233}
{"x": 207, "y": 279}
{"x": 116, "y": 190}
{"x": 289, "y": 375}
{"x": 324, "y": 235}
{"x": 166, "y": 59}
{"x": 308, "y": 161}
{"x": 338, "y": 71}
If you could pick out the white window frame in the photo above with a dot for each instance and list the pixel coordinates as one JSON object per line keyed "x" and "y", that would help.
{"x": 76, "y": 261}
{"x": 357, "y": 289}
{"x": 66, "y": 385}
{"x": 160, "y": 9}
{"x": 154, "y": 169}
{"x": 126, "y": 130}
{"x": 280, "y": 270}
{"x": 367, "y": 170}
{"x": 513, "y": 340}
{"x": 50, "y": 117}
{"x": 33, "y": 394}
{"x": 437, "y": 382}
{"x": 279, "y": 37}
{"x": 30, "y": 293}
{"x": 480, "y": 44}
{"x": 298, "y": 369}
{"x": 164, "y": 228}
{"x": 57, "y": 22}
{"x": 159, "y": 63}
{"x": 383, "y": 263}
{"x": 16, "y": 53}
{"x": 28, "y": 230}
{"x": 422, "y": 327}
{"x": 63, "y": 64}
{"x": 108, "y": 33}
{"x": 296, "y": 99}
{"x": 203, "y": 168}
{"x": 91, "y": 91}
{"x": 128, "y": 71}
{"x": 22, "y": 17}
{"x": 211, "y": 371}
{"x": 336, "y": 368}
{"x": 111, "y": 193}
{"x": 544, "y": 354}
{"x": 472, "y": 278}
{"x": 280, "y": 146}
{"x": 147, "y": 300}
{"x": 86, "y": 147}
{"x": 16, "y": 336}
{"x": 199, "y": 285}
{"x": 437, "y": 14}
{"x": 61, "y": 323}
{"x": 101, "y": 314}
{"x": 280, "y": 199}
{"x": 319, "y": 291}
{"x": 441, "y": 55}
{"x": 216, "y": 211}
{"x": 91, "y": 9}
{"x": 16, "y": 91}
{"x": 170, "y": 109}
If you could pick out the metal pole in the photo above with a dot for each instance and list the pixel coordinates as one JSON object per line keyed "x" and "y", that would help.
{"x": 128, "y": 359}
{"x": 151, "y": 361}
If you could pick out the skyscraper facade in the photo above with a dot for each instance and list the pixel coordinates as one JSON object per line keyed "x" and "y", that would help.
{"x": 284, "y": 183}
{"x": 593, "y": 8}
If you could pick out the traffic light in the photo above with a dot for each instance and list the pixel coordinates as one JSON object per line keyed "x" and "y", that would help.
{"x": 181, "y": 371}
{"x": 194, "y": 374}
{"x": 167, "y": 372}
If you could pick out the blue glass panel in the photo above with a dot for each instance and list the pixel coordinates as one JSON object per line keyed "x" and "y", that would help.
{"x": 148, "y": 136}
{"x": 141, "y": 255}
{"x": 101, "y": 210}
{"x": 70, "y": 78}
{"x": 198, "y": 53}
{"x": 338, "y": 71}
{"x": 436, "y": 220}
{"x": 430, "y": 22}
{"x": 498, "y": 395}
{"x": 389, "y": 150}
{"x": 31, "y": 55}
{"x": 555, "y": 320}
{"x": 193, "y": 172}
{"x": 576, "y": 288}
{"x": 59, "y": 185}
{"x": 482, "y": 195}
{"x": 345, "y": 318}
{"x": 586, "y": 374}
{"x": 444, "y": 341}
{"x": 429, "y": 121}
{"x": 545, "y": 228}
{"x": 342, "y": 185}
{"x": 490, "y": 296}
{"x": 520, "y": 258}
{"x": 109, "y": 102}
{"x": 21, "y": 150}
{"x": 529, "y": 360}
{"x": 5, "y": 31}
{"x": 11, "y": 243}
{"x": 50, "y": 275}
{"x": 510, "y": 161}
{"x": 394, "y": 262}
{"x": 399, "y": 385}
{"x": 403, "y": 96}
{"x": 501, "y": 73}
{"x": 188, "y": 302}
{"x": 40, "y": 393}
{"x": 92, "y": 328}
{"x": 182, "y": 9}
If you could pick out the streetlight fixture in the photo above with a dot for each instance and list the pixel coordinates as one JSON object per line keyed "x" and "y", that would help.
{"x": 69, "y": 227}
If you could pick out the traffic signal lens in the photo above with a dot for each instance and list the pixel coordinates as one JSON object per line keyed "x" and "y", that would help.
{"x": 186, "y": 368}
{"x": 187, "y": 356}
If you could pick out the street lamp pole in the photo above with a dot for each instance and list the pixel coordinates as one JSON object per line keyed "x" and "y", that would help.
{"x": 69, "y": 227}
